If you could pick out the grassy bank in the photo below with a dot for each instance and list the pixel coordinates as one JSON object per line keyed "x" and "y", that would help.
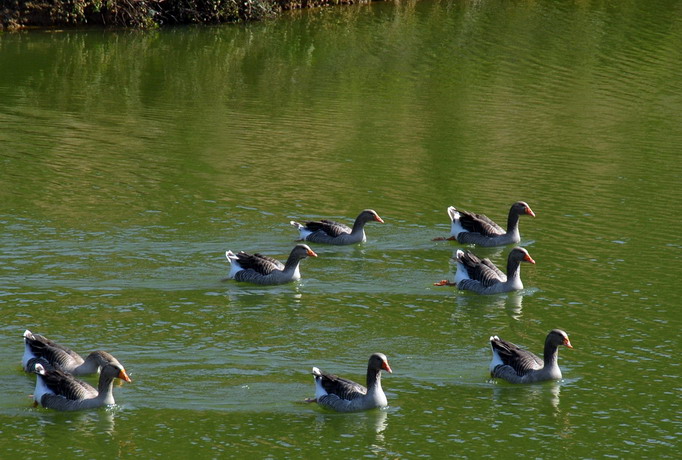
{"x": 17, "y": 14}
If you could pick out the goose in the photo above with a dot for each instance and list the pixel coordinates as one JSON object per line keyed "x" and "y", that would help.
{"x": 478, "y": 229}
{"x": 259, "y": 269}
{"x": 55, "y": 389}
{"x": 330, "y": 232}
{"x": 483, "y": 277}
{"x": 517, "y": 365}
{"x": 343, "y": 395}
{"x": 38, "y": 348}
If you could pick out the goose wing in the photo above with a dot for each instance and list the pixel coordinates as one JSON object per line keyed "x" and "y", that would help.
{"x": 67, "y": 386}
{"x": 522, "y": 361}
{"x": 341, "y": 387}
{"x": 54, "y": 353}
{"x": 481, "y": 270}
{"x": 479, "y": 223}
{"x": 329, "y": 227}
{"x": 260, "y": 263}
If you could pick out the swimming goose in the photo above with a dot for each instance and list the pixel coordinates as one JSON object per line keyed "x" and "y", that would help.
{"x": 483, "y": 277}
{"x": 330, "y": 232}
{"x": 55, "y": 389}
{"x": 517, "y": 365}
{"x": 470, "y": 228}
{"x": 259, "y": 269}
{"x": 38, "y": 348}
{"x": 343, "y": 395}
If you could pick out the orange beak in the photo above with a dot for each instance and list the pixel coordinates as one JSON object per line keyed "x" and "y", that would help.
{"x": 311, "y": 253}
{"x": 528, "y": 258}
{"x": 386, "y": 367}
{"x": 530, "y": 211}
{"x": 378, "y": 219}
{"x": 568, "y": 343}
{"x": 124, "y": 376}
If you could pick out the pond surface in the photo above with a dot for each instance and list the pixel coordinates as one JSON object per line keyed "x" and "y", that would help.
{"x": 130, "y": 161}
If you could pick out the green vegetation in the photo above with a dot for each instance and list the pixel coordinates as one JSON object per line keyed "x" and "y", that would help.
{"x": 16, "y": 14}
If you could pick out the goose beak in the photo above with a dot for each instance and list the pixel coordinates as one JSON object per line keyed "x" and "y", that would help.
{"x": 530, "y": 211}
{"x": 311, "y": 253}
{"x": 567, "y": 343}
{"x": 386, "y": 367}
{"x": 124, "y": 376}
{"x": 528, "y": 258}
{"x": 378, "y": 219}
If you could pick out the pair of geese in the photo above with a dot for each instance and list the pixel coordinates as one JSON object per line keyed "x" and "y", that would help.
{"x": 56, "y": 368}
{"x": 509, "y": 361}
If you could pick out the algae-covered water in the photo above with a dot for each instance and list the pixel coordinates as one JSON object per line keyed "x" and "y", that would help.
{"x": 131, "y": 161}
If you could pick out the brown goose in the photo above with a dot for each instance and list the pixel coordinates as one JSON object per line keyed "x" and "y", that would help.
{"x": 470, "y": 228}
{"x": 38, "y": 348}
{"x": 343, "y": 395}
{"x": 55, "y": 389}
{"x": 517, "y": 365}
{"x": 259, "y": 269}
{"x": 330, "y": 232}
{"x": 482, "y": 276}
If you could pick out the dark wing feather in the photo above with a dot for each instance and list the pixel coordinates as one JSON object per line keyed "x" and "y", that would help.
{"x": 259, "y": 263}
{"x": 67, "y": 386}
{"x": 479, "y": 223}
{"x": 482, "y": 270}
{"x": 329, "y": 227}
{"x": 522, "y": 361}
{"x": 343, "y": 388}
{"x": 56, "y": 354}
{"x": 31, "y": 364}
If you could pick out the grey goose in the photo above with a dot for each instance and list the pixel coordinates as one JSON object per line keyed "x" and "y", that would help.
{"x": 38, "y": 348}
{"x": 55, "y": 389}
{"x": 260, "y": 269}
{"x": 343, "y": 395}
{"x": 471, "y": 228}
{"x": 516, "y": 365}
{"x": 330, "y": 232}
{"x": 483, "y": 277}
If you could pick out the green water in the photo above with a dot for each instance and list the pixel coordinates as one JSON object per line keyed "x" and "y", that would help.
{"x": 130, "y": 161}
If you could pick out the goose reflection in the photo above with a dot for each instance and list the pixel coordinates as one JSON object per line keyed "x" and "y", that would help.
{"x": 370, "y": 425}
{"x": 81, "y": 424}
{"x": 511, "y": 303}
{"x": 538, "y": 395}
